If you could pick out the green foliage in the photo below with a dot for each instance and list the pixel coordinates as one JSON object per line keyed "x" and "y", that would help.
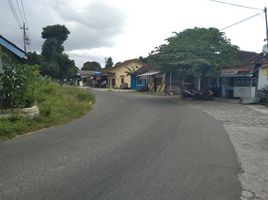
{"x": 54, "y": 62}
{"x": 51, "y": 68}
{"x": 34, "y": 58}
{"x": 91, "y": 66}
{"x": 51, "y": 49}
{"x": 59, "y": 32}
{"x": 109, "y": 62}
{"x": 18, "y": 85}
{"x": 196, "y": 51}
{"x": 4, "y": 57}
{"x": 56, "y": 104}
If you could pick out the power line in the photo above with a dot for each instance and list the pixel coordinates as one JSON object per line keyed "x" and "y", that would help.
{"x": 26, "y": 22}
{"x": 241, "y": 21}
{"x": 23, "y": 11}
{"x": 19, "y": 9}
{"x": 232, "y": 4}
{"x": 14, "y": 12}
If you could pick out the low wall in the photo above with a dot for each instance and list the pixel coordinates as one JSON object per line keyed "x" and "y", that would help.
{"x": 25, "y": 112}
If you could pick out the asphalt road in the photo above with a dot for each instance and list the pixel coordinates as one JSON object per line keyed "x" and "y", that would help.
{"x": 130, "y": 146}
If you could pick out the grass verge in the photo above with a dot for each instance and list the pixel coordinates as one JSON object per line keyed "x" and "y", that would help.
{"x": 57, "y": 105}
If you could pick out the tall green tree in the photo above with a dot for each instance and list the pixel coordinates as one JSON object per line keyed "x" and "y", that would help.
{"x": 57, "y": 31}
{"x": 34, "y": 58}
{"x": 91, "y": 66}
{"x": 196, "y": 51}
{"x": 109, "y": 62}
{"x": 54, "y": 62}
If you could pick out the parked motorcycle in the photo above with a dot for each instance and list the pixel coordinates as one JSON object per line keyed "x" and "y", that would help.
{"x": 196, "y": 94}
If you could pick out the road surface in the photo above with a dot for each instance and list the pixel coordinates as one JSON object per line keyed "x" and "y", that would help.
{"x": 130, "y": 146}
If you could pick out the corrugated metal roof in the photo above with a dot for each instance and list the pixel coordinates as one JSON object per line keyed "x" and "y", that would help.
{"x": 13, "y": 48}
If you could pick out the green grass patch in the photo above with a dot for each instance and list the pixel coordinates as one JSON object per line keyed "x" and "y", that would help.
{"x": 57, "y": 105}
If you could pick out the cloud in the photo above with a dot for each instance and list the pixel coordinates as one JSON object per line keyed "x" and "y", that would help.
{"x": 92, "y": 24}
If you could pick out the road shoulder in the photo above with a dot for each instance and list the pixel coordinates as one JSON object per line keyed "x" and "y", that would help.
{"x": 247, "y": 127}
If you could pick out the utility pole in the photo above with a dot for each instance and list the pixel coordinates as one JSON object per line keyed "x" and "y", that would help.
{"x": 25, "y": 38}
{"x": 265, "y": 11}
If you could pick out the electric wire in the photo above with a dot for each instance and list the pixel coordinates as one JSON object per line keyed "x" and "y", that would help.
{"x": 23, "y": 11}
{"x": 232, "y": 4}
{"x": 19, "y": 9}
{"x": 248, "y": 18}
{"x": 26, "y": 22}
{"x": 10, "y": 3}
{"x": 21, "y": 19}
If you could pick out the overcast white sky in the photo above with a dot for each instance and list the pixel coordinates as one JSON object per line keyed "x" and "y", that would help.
{"x": 126, "y": 29}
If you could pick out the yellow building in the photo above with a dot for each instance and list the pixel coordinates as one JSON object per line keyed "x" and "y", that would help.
{"x": 119, "y": 75}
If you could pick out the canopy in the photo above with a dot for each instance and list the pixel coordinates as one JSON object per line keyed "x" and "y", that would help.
{"x": 149, "y": 74}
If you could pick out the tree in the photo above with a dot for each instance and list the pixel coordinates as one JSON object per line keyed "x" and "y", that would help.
{"x": 196, "y": 51}
{"x": 34, "y": 58}
{"x": 59, "y": 32}
{"x": 118, "y": 63}
{"x": 51, "y": 49}
{"x": 54, "y": 62}
{"x": 109, "y": 62}
{"x": 91, "y": 66}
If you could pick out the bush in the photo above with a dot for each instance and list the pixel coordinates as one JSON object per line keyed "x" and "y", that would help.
{"x": 18, "y": 85}
{"x": 56, "y": 104}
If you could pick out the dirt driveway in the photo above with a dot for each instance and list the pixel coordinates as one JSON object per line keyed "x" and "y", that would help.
{"x": 247, "y": 126}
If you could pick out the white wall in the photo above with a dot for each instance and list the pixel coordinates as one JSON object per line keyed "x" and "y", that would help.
{"x": 263, "y": 78}
{"x": 244, "y": 92}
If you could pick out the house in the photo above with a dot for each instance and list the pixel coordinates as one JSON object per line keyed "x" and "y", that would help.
{"x": 11, "y": 53}
{"x": 84, "y": 77}
{"x": 245, "y": 81}
{"x": 147, "y": 78}
{"x": 119, "y": 75}
{"x": 222, "y": 82}
{"x": 138, "y": 82}
{"x": 238, "y": 81}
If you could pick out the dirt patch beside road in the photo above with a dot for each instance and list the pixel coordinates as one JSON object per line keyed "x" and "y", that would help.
{"x": 247, "y": 127}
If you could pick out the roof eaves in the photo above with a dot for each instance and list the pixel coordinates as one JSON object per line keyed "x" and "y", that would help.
{"x": 13, "y": 48}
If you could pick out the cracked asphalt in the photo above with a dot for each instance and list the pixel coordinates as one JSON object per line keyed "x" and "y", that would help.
{"x": 247, "y": 126}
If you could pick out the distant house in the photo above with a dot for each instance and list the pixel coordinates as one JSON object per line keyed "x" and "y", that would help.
{"x": 14, "y": 53}
{"x": 216, "y": 80}
{"x": 245, "y": 81}
{"x": 119, "y": 75}
{"x": 238, "y": 81}
{"x": 148, "y": 78}
{"x": 136, "y": 82}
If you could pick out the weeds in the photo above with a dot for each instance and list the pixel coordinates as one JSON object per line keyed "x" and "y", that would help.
{"x": 57, "y": 105}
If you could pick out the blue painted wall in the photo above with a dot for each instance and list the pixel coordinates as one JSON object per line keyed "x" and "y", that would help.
{"x": 134, "y": 82}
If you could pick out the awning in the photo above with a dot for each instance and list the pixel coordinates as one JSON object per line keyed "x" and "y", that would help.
{"x": 148, "y": 74}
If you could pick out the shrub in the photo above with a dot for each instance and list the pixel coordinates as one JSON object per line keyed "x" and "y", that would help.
{"x": 18, "y": 85}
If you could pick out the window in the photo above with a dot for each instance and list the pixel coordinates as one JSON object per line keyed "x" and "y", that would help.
{"x": 245, "y": 81}
{"x": 139, "y": 81}
{"x": 122, "y": 79}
